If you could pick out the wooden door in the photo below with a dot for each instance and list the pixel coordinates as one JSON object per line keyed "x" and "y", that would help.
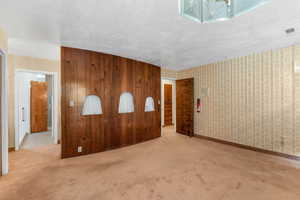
{"x": 168, "y": 105}
{"x": 39, "y": 106}
{"x": 185, "y": 106}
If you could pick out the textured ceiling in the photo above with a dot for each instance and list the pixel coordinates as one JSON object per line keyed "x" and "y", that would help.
{"x": 149, "y": 30}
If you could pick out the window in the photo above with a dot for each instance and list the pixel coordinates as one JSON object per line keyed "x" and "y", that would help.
{"x": 92, "y": 105}
{"x": 149, "y": 105}
{"x": 126, "y": 104}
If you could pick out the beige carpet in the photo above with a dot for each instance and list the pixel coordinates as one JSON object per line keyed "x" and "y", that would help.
{"x": 173, "y": 167}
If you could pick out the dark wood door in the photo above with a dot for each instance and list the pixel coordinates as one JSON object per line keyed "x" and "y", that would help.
{"x": 168, "y": 104}
{"x": 39, "y": 106}
{"x": 185, "y": 106}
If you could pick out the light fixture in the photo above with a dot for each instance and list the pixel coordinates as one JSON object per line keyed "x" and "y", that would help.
{"x": 149, "y": 105}
{"x": 126, "y": 104}
{"x": 92, "y": 105}
{"x": 216, "y": 10}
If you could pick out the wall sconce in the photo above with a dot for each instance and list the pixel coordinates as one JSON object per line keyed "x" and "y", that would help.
{"x": 92, "y": 105}
{"x": 126, "y": 104}
{"x": 149, "y": 105}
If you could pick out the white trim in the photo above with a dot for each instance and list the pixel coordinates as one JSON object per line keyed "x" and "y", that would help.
{"x": 4, "y": 113}
{"x": 16, "y": 118}
{"x": 55, "y": 96}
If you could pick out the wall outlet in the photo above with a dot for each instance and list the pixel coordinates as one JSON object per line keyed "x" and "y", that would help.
{"x": 79, "y": 149}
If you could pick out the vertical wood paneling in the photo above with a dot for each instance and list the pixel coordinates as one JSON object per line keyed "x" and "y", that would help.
{"x": 91, "y": 73}
{"x": 254, "y": 100}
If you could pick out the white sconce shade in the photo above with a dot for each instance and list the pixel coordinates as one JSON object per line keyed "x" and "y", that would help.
{"x": 149, "y": 105}
{"x": 126, "y": 103}
{"x": 92, "y": 105}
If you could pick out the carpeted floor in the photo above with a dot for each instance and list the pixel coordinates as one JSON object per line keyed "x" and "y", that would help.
{"x": 173, "y": 167}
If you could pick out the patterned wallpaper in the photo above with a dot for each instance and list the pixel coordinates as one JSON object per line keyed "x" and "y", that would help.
{"x": 167, "y": 73}
{"x": 253, "y": 100}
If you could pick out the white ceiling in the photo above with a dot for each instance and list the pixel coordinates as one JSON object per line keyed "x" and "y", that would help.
{"x": 146, "y": 30}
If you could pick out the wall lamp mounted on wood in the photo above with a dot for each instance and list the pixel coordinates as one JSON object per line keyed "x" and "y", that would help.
{"x": 92, "y": 105}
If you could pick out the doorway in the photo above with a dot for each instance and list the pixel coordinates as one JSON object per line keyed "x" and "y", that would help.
{"x": 35, "y": 108}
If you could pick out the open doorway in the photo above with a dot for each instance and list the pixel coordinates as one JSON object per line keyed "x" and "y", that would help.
{"x": 168, "y": 99}
{"x": 34, "y": 110}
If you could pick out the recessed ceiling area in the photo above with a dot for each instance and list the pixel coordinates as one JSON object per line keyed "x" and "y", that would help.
{"x": 150, "y": 31}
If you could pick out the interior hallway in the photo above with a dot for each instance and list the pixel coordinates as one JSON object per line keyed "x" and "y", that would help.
{"x": 35, "y": 140}
{"x": 173, "y": 167}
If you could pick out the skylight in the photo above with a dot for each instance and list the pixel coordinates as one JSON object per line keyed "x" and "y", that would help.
{"x": 216, "y": 10}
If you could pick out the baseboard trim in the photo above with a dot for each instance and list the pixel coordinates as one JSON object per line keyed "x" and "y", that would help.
{"x": 291, "y": 157}
{"x": 11, "y": 149}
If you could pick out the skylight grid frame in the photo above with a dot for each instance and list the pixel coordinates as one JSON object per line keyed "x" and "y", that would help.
{"x": 198, "y": 10}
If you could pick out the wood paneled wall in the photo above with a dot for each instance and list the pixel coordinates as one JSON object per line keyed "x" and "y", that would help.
{"x": 253, "y": 100}
{"x": 107, "y": 76}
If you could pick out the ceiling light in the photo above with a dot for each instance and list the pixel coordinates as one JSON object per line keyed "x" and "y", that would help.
{"x": 216, "y": 10}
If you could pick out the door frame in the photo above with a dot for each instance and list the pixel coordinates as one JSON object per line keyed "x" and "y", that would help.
{"x": 54, "y": 107}
{"x": 4, "y": 112}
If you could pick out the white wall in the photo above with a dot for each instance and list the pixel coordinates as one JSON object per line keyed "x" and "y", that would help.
{"x": 23, "y": 80}
{"x": 173, "y": 83}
